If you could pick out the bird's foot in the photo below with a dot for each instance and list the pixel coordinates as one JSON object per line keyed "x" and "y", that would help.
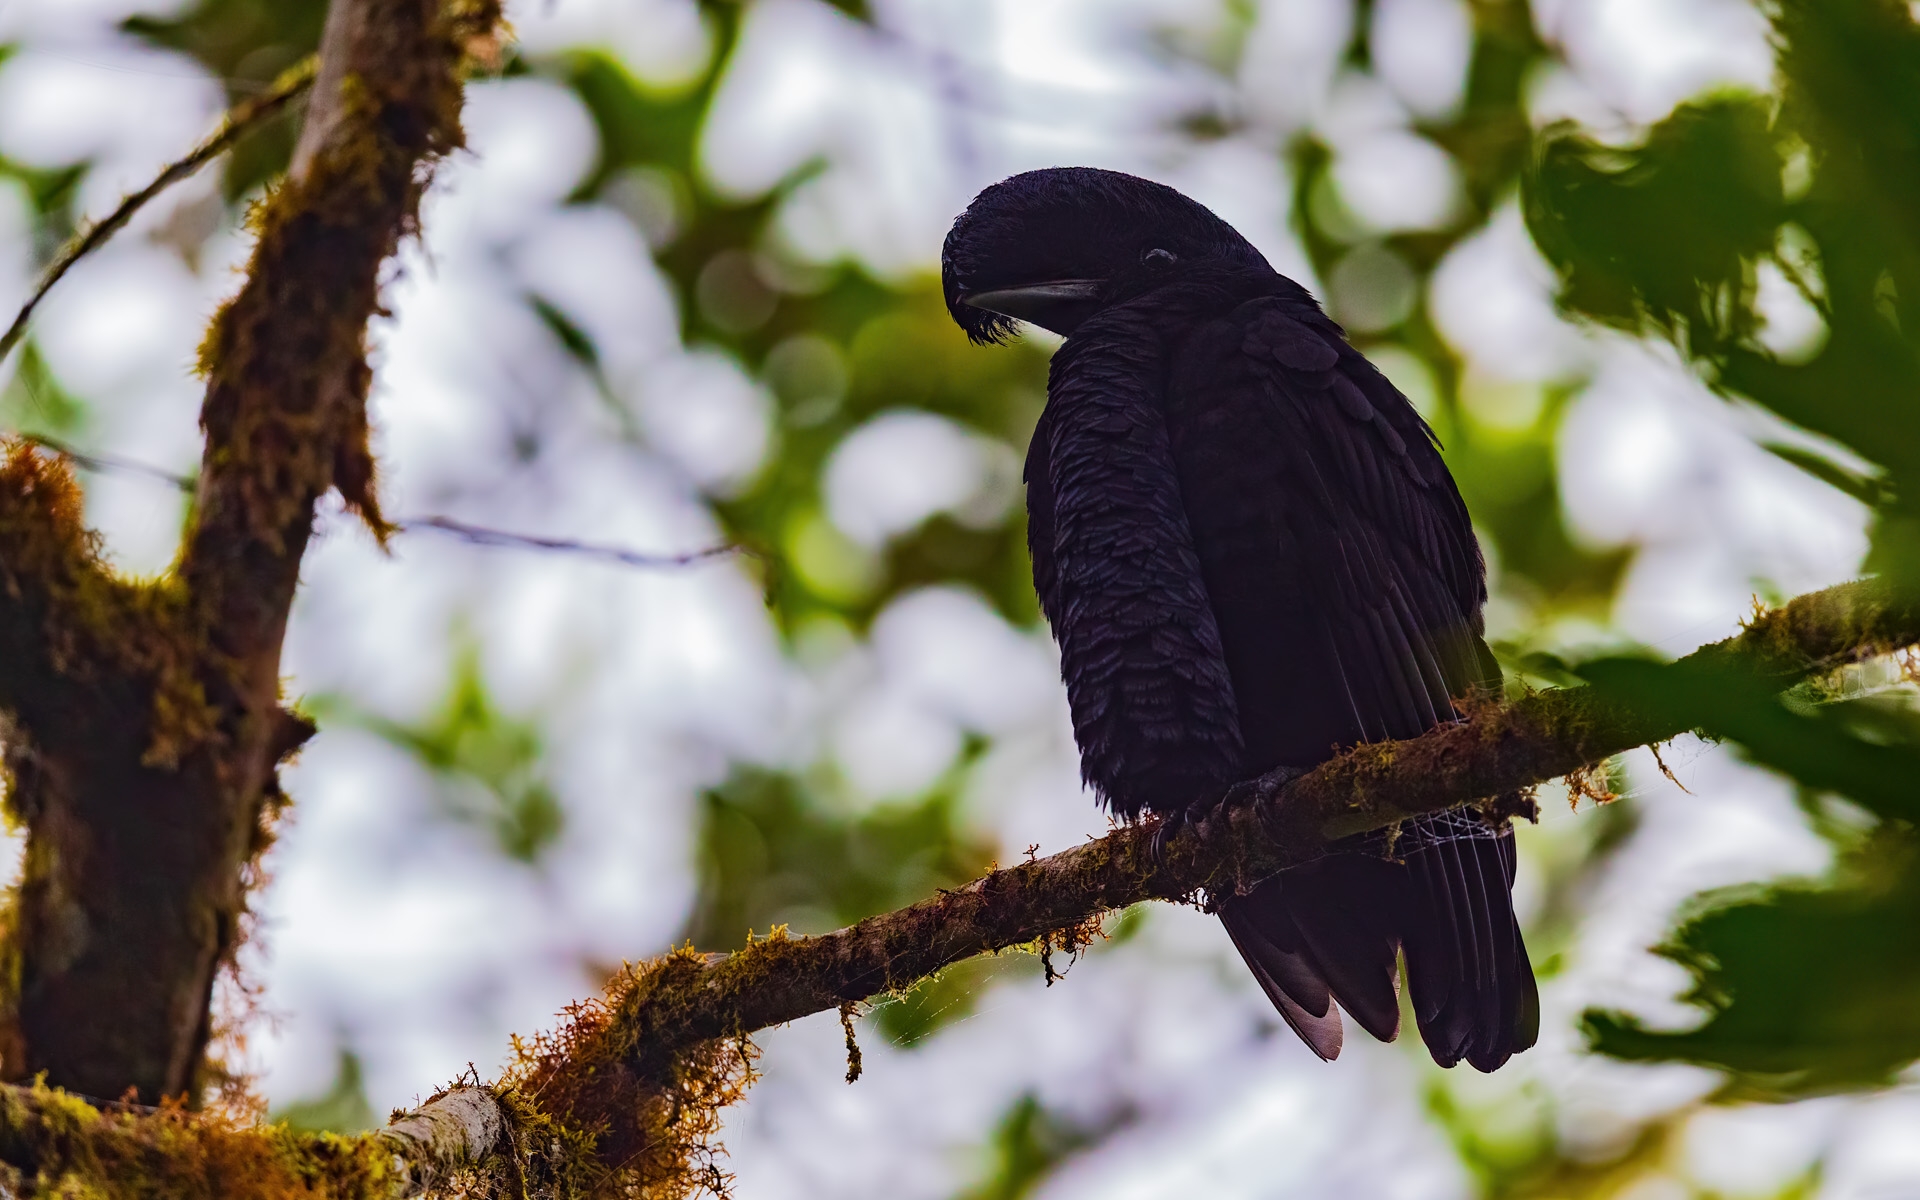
{"x": 1203, "y": 816}
{"x": 1258, "y": 794}
{"x": 1198, "y": 817}
{"x": 1170, "y": 827}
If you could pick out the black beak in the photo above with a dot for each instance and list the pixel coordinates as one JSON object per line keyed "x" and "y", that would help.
{"x": 1059, "y": 305}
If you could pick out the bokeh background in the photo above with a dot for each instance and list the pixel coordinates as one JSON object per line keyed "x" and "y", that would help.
{"x": 681, "y": 291}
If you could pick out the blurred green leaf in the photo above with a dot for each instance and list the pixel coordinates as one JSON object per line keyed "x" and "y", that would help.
{"x": 344, "y": 1107}
{"x": 774, "y": 850}
{"x": 1667, "y": 233}
{"x": 1821, "y": 183}
{"x": 50, "y": 194}
{"x": 33, "y": 402}
{"x": 1857, "y": 749}
{"x": 488, "y": 764}
{"x": 1808, "y": 990}
{"x": 1505, "y": 1147}
{"x": 1031, "y": 1141}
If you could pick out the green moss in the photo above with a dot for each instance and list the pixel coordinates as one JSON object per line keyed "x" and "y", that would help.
{"x": 92, "y": 626}
{"x": 56, "y": 1145}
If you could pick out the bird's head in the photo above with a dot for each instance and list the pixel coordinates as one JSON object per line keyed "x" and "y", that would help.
{"x": 1055, "y": 246}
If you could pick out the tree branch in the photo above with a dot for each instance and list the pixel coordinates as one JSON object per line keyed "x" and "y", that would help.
{"x": 1496, "y": 750}
{"x": 453, "y": 1132}
{"x": 60, "y": 1144}
{"x": 670, "y": 1035}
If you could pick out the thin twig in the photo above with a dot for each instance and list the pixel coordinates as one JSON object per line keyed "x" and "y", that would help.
{"x": 241, "y": 120}
{"x": 481, "y": 536}
{"x": 108, "y": 463}
{"x": 478, "y": 535}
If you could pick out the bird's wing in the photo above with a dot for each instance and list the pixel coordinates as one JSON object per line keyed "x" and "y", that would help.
{"x": 1153, "y": 707}
{"x": 1344, "y": 574}
{"x": 1040, "y": 522}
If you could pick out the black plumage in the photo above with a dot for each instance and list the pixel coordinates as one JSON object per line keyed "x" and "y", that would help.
{"x": 1252, "y": 556}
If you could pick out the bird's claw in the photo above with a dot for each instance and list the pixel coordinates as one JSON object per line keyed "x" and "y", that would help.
{"x": 1200, "y": 817}
{"x": 1258, "y": 794}
{"x": 1170, "y": 827}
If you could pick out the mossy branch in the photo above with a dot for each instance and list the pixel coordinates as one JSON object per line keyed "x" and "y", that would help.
{"x": 639, "y": 1071}
{"x": 53, "y": 1144}
{"x": 455, "y": 1131}
{"x": 1496, "y": 750}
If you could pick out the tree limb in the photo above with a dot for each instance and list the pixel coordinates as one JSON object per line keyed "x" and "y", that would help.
{"x": 670, "y": 1035}
{"x": 53, "y": 1143}
{"x": 1497, "y": 749}
{"x": 461, "y": 1127}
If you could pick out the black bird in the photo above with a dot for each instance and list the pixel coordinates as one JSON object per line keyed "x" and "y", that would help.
{"x": 1252, "y": 556}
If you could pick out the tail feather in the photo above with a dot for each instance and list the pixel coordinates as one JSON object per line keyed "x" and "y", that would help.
{"x": 1270, "y": 943}
{"x": 1347, "y": 908}
{"x": 1466, "y": 965}
{"x": 1332, "y": 931}
{"x": 1272, "y": 949}
{"x": 1438, "y": 940}
{"x": 1480, "y": 860}
{"x": 1526, "y": 1017}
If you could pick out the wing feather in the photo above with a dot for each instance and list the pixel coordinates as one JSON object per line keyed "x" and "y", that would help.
{"x": 1343, "y": 570}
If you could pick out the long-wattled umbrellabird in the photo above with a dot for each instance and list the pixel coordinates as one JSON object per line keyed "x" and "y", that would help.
{"x": 1252, "y": 557}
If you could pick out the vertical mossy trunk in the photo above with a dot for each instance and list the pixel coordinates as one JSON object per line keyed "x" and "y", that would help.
{"x": 127, "y": 898}
{"x": 142, "y": 722}
{"x": 129, "y": 901}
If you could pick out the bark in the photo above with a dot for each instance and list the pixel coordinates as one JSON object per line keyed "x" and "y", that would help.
{"x": 459, "y": 1129}
{"x": 142, "y": 720}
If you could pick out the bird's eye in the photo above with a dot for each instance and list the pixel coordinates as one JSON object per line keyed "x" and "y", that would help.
{"x": 1158, "y": 259}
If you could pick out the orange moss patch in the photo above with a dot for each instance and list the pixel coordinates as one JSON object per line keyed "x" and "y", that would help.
{"x": 613, "y": 1119}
